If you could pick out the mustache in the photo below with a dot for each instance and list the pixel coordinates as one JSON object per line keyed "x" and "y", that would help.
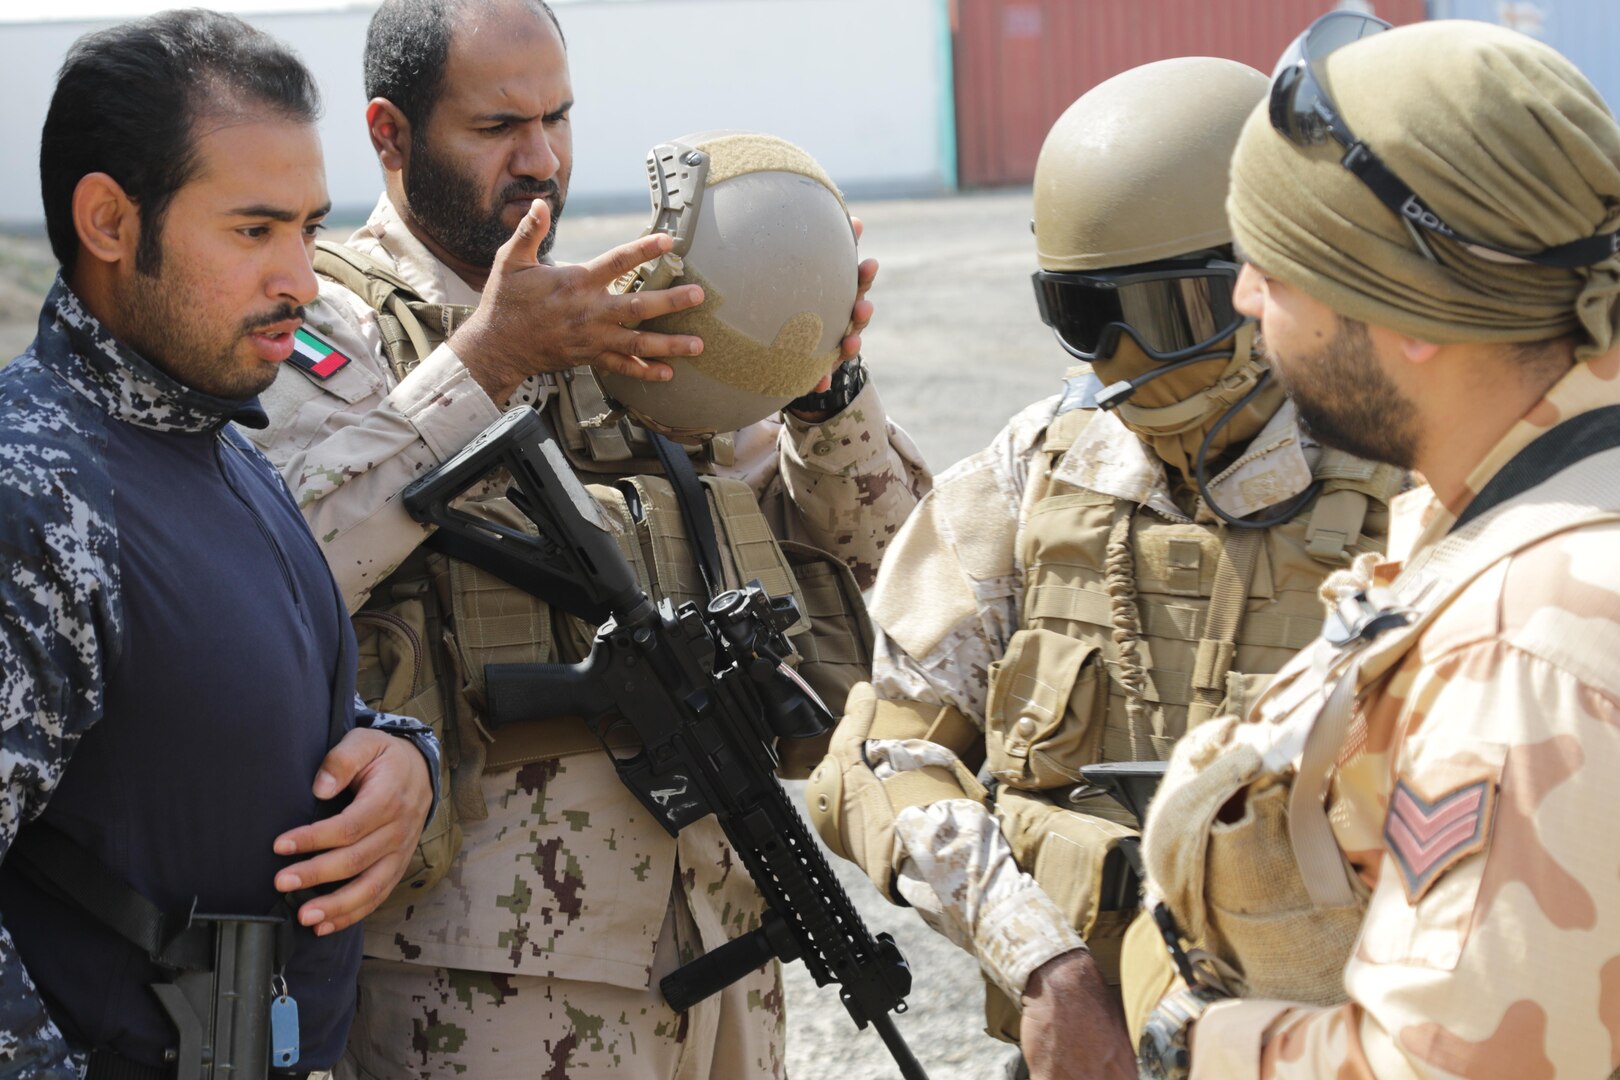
{"x": 530, "y": 189}
{"x": 281, "y": 314}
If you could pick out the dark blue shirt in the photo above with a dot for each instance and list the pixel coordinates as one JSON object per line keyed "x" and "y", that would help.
{"x": 170, "y": 643}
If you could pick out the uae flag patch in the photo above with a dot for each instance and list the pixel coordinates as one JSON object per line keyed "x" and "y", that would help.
{"x": 315, "y": 356}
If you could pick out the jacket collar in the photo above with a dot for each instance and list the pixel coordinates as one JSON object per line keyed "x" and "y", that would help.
{"x": 74, "y": 345}
{"x": 1110, "y": 459}
{"x": 1590, "y": 384}
{"x": 386, "y": 238}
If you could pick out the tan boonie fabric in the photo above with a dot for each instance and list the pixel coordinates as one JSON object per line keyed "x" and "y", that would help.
{"x": 566, "y": 878}
{"x": 995, "y": 604}
{"x": 1468, "y": 799}
{"x": 1500, "y": 135}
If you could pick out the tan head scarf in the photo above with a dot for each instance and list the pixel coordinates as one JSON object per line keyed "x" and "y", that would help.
{"x": 1500, "y": 135}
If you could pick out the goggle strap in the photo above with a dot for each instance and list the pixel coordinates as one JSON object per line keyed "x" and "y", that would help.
{"x": 1407, "y": 205}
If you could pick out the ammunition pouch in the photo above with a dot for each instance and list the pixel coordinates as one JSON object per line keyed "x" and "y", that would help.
{"x": 1044, "y": 715}
{"x": 1235, "y": 885}
{"x": 398, "y": 637}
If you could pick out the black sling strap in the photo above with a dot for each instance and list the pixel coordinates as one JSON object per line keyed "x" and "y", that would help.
{"x": 1549, "y": 454}
{"x": 59, "y": 865}
{"x": 694, "y": 510}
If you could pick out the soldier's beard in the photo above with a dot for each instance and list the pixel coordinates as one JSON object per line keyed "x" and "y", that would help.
{"x": 167, "y": 317}
{"x": 1347, "y": 401}
{"x": 448, "y": 204}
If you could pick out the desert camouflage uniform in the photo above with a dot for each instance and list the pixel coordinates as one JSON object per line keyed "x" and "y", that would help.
{"x": 949, "y": 600}
{"x": 1472, "y": 798}
{"x": 542, "y": 946}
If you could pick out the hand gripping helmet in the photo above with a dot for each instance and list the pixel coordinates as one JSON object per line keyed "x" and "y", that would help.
{"x": 761, "y": 227}
{"x": 1130, "y": 221}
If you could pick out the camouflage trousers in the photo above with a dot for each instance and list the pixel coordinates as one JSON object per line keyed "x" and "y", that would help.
{"x": 417, "y": 1022}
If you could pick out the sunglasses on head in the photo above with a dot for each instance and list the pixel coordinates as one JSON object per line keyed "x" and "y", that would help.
{"x": 1302, "y": 111}
{"x": 1172, "y": 311}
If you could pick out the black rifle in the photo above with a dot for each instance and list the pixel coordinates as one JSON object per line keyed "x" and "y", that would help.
{"x": 702, "y": 693}
{"x": 1132, "y": 785}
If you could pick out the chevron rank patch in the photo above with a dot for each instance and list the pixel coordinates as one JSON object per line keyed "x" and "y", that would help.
{"x": 1426, "y": 837}
{"x": 314, "y": 355}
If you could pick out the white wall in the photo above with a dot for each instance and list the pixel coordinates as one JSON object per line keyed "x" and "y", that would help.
{"x": 864, "y": 85}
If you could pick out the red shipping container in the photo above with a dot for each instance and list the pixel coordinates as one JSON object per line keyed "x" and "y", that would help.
{"x": 1020, "y": 63}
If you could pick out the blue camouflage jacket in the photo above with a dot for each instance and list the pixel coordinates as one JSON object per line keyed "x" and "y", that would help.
{"x": 170, "y": 643}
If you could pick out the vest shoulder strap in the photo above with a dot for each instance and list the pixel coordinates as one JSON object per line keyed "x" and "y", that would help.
{"x": 1074, "y": 411}
{"x": 1349, "y": 485}
{"x": 410, "y": 326}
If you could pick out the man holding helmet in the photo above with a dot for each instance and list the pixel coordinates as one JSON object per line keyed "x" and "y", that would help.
{"x": 1397, "y": 861}
{"x": 1127, "y": 560}
{"x": 546, "y": 905}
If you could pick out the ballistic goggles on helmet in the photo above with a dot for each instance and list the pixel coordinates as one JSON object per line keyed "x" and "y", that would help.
{"x": 1302, "y": 111}
{"x": 1172, "y": 310}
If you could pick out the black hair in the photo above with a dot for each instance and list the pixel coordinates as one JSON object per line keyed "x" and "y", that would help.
{"x": 407, "y": 45}
{"x": 126, "y": 103}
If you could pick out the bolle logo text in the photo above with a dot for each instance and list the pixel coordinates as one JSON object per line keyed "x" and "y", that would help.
{"x": 1416, "y": 212}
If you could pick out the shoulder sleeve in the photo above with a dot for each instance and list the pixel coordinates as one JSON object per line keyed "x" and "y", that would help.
{"x": 947, "y": 597}
{"x": 850, "y": 481}
{"x": 1491, "y": 943}
{"x": 347, "y": 446}
{"x": 59, "y": 626}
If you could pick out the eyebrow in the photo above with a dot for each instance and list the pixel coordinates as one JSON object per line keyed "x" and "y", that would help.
{"x": 276, "y": 213}
{"x": 521, "y": 118}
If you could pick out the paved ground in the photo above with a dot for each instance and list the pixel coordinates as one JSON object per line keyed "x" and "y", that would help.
{"x": 956, "y": 347}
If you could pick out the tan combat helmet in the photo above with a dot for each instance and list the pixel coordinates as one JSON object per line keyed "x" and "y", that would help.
{"x": 1136, "y": 170}
{"x": 761, "y": 227}
{"x": 1136, "y": 272}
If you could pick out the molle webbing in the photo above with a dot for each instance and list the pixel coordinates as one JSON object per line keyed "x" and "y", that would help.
{"x": 600, "y": 439}
{"x": 748, "y": 549}
{"x": 410, "y": 326}
{"x": 1177, "y": 622}
{"x": 1349, "y": 484}
{"x": 651, "y": 536}
{"x": 1228, "y": 602}
{"x": 1064, "y": 429}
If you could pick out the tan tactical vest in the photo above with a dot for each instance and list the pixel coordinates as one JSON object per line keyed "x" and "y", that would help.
{"x": 1121, "y": 604}
{"x": 427, "y": 631}
{"x": 1134, "y": 630}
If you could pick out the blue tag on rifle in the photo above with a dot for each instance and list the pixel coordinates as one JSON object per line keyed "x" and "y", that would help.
{"x": 283, "y": 1031}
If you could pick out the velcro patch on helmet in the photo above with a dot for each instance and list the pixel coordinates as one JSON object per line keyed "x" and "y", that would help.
{"x": 786, "y": 367}
{"x": 736, "y": 155}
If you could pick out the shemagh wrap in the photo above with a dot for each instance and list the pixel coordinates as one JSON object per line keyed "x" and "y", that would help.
{"x": 1499, "y": 134}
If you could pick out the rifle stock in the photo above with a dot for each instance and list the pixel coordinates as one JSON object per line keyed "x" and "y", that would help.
{"x": 703, "y": 692}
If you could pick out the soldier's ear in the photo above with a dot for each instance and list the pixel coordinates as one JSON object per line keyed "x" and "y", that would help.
{"x": 390, "y": 133}
{"x": 106, "y": 219}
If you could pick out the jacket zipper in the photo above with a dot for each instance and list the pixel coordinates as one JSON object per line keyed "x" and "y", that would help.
{"x": 258, "y": 519}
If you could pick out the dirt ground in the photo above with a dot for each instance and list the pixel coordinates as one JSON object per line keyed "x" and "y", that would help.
{"x": 955, "y": 348}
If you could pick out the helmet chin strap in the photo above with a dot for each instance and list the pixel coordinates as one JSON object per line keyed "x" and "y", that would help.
{"x": 1241, "y": 375}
